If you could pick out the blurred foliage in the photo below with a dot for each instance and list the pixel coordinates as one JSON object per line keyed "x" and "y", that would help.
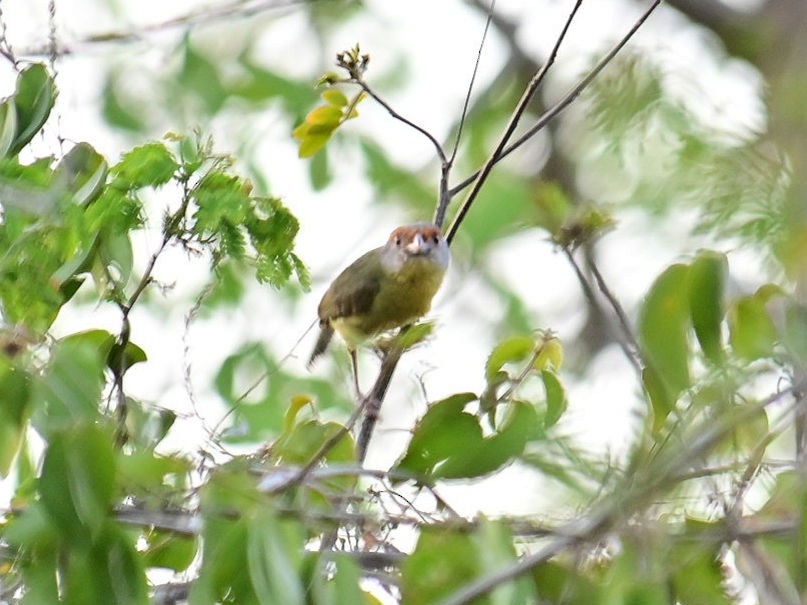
{"x": 103, "y": 507}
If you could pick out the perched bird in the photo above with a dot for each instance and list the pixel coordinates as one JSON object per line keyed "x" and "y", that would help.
{"x": 386, "y": 288}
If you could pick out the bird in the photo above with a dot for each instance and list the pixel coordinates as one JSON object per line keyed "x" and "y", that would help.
{"x": 386, "y": 288}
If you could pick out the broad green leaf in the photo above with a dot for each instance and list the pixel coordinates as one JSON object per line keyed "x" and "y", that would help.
{"x": 556, "y": 402}
{"x": 752, "y": 331}
{"x": 273, "y": 562}
{"x": 69, "y": 390}
{"x": 482, "y": 456}
{"x": 661, "y": 401}
{"x": 516, "y": 348}
{"x": 445, "y": 429}
{"x": 556, "y": 583}
{"x": 78, "y": 480}
{"x": 663, "y": 329}
{"x": 444, "y": 559}
{"x": 110, "y": 571}
{"x": 82, "y": 171}
{"x": 169, "y": 550}
{"x": 696, "y": 575}
{"x": 33, "y": 101}
{"x": 707, "y": 275}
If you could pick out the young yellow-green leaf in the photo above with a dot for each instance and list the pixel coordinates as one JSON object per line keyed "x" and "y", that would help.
{"x": 707, "y": 275}
{"x": 516, "y": 348}
{"x": 33, "y": 100}
{"x": 298, "y": 402}
{"x": 550, "y": 355}
{"x": 664, "y": 326}
{"x": 335, "y": 97}
{"x": 325, "y": 115}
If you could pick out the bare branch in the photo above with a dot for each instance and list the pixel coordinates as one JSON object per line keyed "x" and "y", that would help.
{"x": 445, "y": 198}
{"x": 521, "y": 107}
{"x": 435, "y": 143}
{"x": 563, "y": 103}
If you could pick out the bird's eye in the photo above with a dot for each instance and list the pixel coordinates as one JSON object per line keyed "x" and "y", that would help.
{"x": 398, "y": 241}
{"x": 436, "y": 239}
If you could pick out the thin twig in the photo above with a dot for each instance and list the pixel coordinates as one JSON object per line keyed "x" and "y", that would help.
{"x": 521, "y": 107}
{"x": 564, "y": 102}
{"x": 623, "y": 337}
{"x": 445, "y": 198}
{"x": 375, "y": 96}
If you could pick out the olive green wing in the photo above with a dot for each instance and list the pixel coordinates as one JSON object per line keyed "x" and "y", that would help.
{"x": 354, "y": 290}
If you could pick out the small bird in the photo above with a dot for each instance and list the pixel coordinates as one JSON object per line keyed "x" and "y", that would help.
{"x": 386, "y": 288}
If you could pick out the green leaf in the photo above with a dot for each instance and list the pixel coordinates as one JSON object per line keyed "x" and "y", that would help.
{"x": 78, "y": 480}
{"x": 303, "y": 441}
{"x": 168, "y": 550}
{"x": 273, "y": 561}
{"x": 15, "y": 404}
{"x": 482, "y": 456}
{"x": 444, "y": 560}
{"x": 82, "y": 171}
{"x": 516, "y": 348}
{"x": 707, "y": 275}
{"x": 69, "y": 390}
{"x": 8, "y": 125}
{"x": 33, "y": 101}
{"x": 752, "y": 331}
{"x": 556, "y": 402}
{"x": 149, "y": 165}
{"x": 335, "y": 97}
{"x": 663, "y": 329}
{"x": 444, "y": 430}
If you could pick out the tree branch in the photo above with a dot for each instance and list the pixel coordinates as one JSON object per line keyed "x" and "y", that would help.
{"x": 521, "y": 107}
{"x": 563, "y": 103}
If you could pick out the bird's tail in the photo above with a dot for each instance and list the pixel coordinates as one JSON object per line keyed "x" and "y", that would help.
{"x": 325, "y": 335}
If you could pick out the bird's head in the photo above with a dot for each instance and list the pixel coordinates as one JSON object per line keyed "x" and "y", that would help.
{"x": 418, "y": 241}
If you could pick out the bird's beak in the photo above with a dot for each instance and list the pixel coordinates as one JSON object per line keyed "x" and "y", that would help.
{"x": 417, "y": 245}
